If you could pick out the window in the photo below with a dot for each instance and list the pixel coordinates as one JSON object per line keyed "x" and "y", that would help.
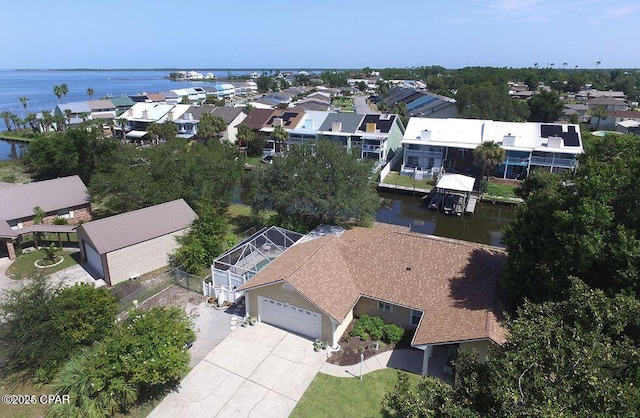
{"x": 385, "y": 307}
{"x": 14, "y": 224}
{"x": 64, "y": 213}
{"x": 415, "y": 317}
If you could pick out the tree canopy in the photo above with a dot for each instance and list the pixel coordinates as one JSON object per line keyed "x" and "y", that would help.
{"x": 207, "y": 238}
{"x": 586, "y": 226}
{"x": 315, "y": 184}
{"x": 42, "y": 323}
{"x": 545, "y": 107}
{"x": 78, "y": 151}
{"x": 168, "y": 171}
{"x": 490, "y": 101}
{"x": 144, "y": 356}
{"x": 578, "y": 357}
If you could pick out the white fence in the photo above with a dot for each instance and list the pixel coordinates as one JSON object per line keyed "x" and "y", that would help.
{"x": 387, "y": 168}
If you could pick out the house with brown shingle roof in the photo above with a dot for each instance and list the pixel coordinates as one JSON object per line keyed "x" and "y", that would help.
{"x": 447, "y": 291}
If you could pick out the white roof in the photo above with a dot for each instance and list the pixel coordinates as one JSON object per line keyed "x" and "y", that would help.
{"x": 628, "y": 123}
{"x": 313, "y": 119}
{"x": 136, "y": 134}
{"x": 470, "y": 133}
{"x": 456, "y": 182}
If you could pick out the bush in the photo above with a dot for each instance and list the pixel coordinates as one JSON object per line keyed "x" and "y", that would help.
{"x": 393, "y": 333}
{"x": 373, "y": 328}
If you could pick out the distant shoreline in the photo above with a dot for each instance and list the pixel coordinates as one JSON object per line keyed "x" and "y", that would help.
{"x": 176, "y": 69}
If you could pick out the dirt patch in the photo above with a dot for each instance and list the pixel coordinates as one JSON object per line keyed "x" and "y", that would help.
{"x": 173, "y": 296}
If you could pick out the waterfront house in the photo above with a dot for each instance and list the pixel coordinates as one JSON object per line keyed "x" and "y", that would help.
{"x": 307, "y": 128}
{"x": 288, "y": 120}
{"x": 341, "y": 128}
{"x": 102, "y": 109}
{"x": 142, "y": 114}
{"x": 122, "y": 103}
{"x": 188, "y": 123}
{"x": 445, "y": 292}
{"x": 232, "y": 116}
{"x": 377, "y": 135}
{"x": 73, "y": 112}
{"x": 433, "y": 144}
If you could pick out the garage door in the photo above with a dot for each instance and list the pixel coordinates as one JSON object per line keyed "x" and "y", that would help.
{"x": 289, "y": 317}
{"x": 94, "y": 259}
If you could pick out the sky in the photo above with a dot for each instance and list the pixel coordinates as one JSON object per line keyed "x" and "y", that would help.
{"x": 281, "y": 34}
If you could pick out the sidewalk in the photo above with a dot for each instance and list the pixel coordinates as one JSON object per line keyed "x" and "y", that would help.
{"x": 409, "y": 360}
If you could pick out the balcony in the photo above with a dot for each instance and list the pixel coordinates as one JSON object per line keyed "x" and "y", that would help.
{"x": 419, "y": 153}
{"x": 555, "y": 162}
{"x": 374, "y": 148}
{"x": 517, "y": 161}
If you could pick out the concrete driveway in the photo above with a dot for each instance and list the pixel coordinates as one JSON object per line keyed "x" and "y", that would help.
{"x": 258, "y": 371}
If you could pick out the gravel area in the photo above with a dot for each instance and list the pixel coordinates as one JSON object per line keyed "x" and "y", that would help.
{"x": 211, "y": 325}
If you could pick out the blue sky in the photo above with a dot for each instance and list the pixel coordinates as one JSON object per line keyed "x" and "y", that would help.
{"x": 319, "y": 34}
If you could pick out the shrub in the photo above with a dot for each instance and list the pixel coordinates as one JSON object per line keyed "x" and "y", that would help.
{"x": 393, "y": 333}
{"x": 373, "y": 327}
{"x": 60, "y": 221}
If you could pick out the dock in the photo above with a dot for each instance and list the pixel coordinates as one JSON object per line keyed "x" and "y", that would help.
{"x": 471, "y": 204}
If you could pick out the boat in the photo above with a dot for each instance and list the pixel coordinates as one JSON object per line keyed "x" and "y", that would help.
{"x": 435, "y": 201}
{"x": 453, "y": 205}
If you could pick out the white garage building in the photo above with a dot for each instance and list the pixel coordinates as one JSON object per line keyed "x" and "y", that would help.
{"x": 130, "y": 244}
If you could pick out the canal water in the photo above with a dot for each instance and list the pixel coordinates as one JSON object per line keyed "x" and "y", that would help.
{"x": 483, "y": 226}
{"x": 10, "y": 150}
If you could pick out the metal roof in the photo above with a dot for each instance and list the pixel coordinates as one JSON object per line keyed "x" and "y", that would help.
{"x": 124, "y": 230}
{"x": 50, "y": 195}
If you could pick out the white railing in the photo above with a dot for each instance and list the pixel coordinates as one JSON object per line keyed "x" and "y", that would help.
{"x": 517, "y": 160}
{"x": 426, "y": 154}
{"x": 551, "y": 161}
{"x": 371, "y": 148}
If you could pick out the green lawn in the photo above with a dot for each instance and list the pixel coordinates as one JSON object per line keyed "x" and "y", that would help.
{"x": 18, "y": 136}
{"x": 21, "y": 383}
{"x": 344, "y": 103}
{"x": 329, "y": 396}
{"x": 395, "y": 178}
{"x": 502, "y": 190}
{"x": 23, "y": 266}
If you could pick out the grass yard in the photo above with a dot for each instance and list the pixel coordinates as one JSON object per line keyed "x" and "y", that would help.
{"x": 348, "y": 397}
{"x": 21, "y": 384}
{"x": 13, "y": 171}
{"x": 23, "y": 265}
{"x": 395, "y": 178}
{"x": 503, "y": 190}
{"x": 344, "y": 103}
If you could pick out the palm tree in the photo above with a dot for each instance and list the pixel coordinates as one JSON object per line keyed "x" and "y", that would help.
{"x": 211, "y": 126}
{"x": 489, "y": 155}
{"x": 90, "y": 93}
{"x": 6, "y": 116}
{"x": 64, "y": 90}
{"x": 280, "y": 136}
{"x": 32, "y": 119}
{"x": 46, "y": 121}
{"x": 600, "y": 112}
{"x": 16, "y": 121}
{"x": 24, "y": 100}
{"x": 57, "y": 90}
{"x": 598, "y": 64}
{"x": 565, "y": 64}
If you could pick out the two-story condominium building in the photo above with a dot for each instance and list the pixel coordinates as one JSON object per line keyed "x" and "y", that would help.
{"x": 284, "y": 118}
{"x": 307, "y": 128}
{"x": 377, "y": 135}
{"x": 341, "y": 128}
{"x": 433, "y": 144}
{"x": 142, "y": 114}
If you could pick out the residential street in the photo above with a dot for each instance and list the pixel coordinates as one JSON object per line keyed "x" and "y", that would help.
{"x": 361, "y": 106}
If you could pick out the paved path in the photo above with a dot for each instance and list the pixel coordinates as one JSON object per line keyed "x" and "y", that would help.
{"x": 361, "y": 106}
{"x": 6, "y": 283}
{"x": 409, "y": 360}
{"x": 258, "y": 371}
